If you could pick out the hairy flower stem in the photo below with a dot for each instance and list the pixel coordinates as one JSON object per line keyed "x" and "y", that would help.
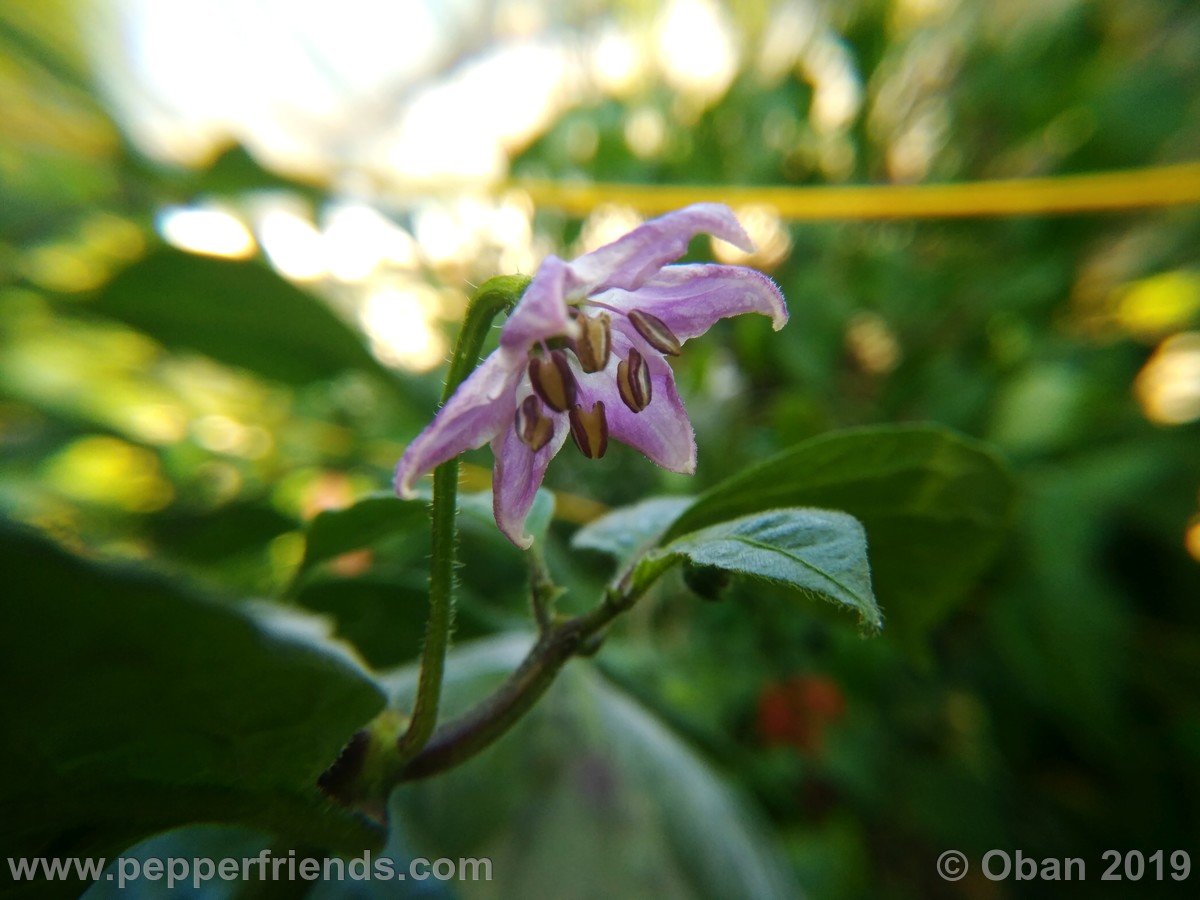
{"x": 458, "y": 741}
{"x": 542, "y": 590}
{"x": 371, "y": 765}
{"x": 495, "y": 296}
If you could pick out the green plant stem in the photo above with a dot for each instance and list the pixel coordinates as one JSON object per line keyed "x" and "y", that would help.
{"x": 370, "y": 766}
{"x": 496, "y": 295}
{"x": 458, "y": 741}
{"x": 542, "y": 590}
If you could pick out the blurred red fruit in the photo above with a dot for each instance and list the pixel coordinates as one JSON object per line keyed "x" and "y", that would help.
{"x": 796, "y": 712}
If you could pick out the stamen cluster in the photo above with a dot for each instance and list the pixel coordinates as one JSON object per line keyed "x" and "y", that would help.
{"x": 554, "y": 383}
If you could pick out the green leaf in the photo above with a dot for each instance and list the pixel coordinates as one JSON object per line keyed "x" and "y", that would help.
{"x": 240, "y": 313}
{"x": 623, "y": 532}
{"x": 382, "y": 515}
{"x": 586, "y": 779}
{"x": 385, "y": 618}
{"x": 374, "y": 517}
{"x": 935, "y": 506}
{"x": 132, "y": 705}
{"x": 383, "y": 611}
{"x": 190, "y": 842}
{"x": 813, "y": 550}
{"x": 215, "y": 535}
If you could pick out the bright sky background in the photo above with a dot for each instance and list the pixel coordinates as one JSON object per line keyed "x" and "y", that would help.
{"x": 312, "y": 85}
{"x": 406, "y": 89}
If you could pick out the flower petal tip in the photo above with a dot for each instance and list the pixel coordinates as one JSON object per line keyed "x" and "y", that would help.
{"x": 779, "y": 311}
{"x": 517, "y": 535}
{"x": 723, "y": 223}
{"x": 402, "y": 485}
{"x": 687, "y": 466}
{"x": 744, "y": 242}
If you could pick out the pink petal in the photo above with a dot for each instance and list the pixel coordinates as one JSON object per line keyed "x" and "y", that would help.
{"x": 630, "y": 261}
{"x": 690, "y": 299}
{"x": 518, "y": 474}
{"x": 542, "y": 312}
{"x": 661, "y": 431}
{"x": 482, "y": 406}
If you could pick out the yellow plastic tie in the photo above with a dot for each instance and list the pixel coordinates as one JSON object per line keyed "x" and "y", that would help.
{"x": 1159, "y": 186}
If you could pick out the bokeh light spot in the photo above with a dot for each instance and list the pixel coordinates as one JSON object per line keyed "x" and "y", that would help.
{"x": 208, "y": 231}
{"x": 399, "y": 322}
{"x": 1168, "y": 387}
{"x": 110, "y": 472}
{"x": 1160, "y": 304}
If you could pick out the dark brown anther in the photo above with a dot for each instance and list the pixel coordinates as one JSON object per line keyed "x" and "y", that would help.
{"x": 633, "y": 381}
{"x": 553, "y": 381}
{"x": 534, "y": 429}
{"x": 656, "y": 332}
{"x": 594, "y": 343}
{"x": 590, "y": 430}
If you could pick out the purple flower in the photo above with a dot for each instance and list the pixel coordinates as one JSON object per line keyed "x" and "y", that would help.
{"x": 584, "y": 355}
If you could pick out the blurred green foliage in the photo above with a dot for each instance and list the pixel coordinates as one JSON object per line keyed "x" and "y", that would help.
{"x": 189, "y": 416}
